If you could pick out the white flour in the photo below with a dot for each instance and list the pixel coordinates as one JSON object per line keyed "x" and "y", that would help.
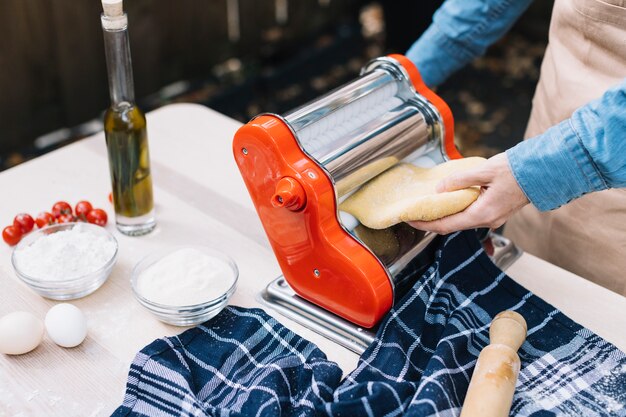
{"x": 185, "y": 277}
{"x": 65, "y": 255}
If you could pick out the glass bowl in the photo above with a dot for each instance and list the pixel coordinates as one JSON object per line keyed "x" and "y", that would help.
{"x": 185, "y": 315}
{"x": 73, "y": 288}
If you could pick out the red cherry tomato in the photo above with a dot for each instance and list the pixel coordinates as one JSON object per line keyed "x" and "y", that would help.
{"x": 61, "y": 208}
{"x": 24, "y": 222}
{"x": 44, "y": 219}
{"x": 81, "y": 210}
{"x": 12, "y": 235}
{"x": 66, "y": 218}
{"x": 97, "y": 216}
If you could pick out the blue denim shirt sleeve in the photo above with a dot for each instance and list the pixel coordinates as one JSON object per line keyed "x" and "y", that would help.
{"x": 461, "y": 31}
{"x": 582, "y": 154}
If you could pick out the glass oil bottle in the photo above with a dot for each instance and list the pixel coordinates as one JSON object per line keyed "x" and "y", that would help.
{"x": 125, "y": 130}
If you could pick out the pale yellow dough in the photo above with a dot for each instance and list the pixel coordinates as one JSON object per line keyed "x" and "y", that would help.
{"x": 407, "y": 193}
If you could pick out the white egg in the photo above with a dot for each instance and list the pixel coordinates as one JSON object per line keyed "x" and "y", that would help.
{"x": 20, "y": 332}
{"x": 66, "y": 325}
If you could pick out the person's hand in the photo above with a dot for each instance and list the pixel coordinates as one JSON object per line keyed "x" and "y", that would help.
{"x": 500, "y": 197}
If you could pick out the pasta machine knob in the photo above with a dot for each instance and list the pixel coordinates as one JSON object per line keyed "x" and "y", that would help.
{"x": 289, "y": 193}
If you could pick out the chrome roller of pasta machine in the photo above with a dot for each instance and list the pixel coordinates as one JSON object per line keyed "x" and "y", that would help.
{"x": 340, "y": 277}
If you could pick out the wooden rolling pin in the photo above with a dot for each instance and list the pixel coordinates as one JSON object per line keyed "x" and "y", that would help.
{"x": 491, "y": 389}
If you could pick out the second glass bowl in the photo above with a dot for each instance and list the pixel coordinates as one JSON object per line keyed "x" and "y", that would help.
{"x": 188, "y": 315}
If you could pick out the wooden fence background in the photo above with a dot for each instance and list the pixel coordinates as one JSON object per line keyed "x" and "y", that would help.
{"x": 52, "y": 68}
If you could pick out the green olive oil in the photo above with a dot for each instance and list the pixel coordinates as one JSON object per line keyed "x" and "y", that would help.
{"x": 129, "y": 161}
{"x": 125, "y": 131}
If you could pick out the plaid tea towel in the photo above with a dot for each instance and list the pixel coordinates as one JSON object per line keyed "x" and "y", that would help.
{"x": 245, "y": 363}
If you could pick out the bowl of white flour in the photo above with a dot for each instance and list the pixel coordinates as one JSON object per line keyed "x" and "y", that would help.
{"x": 65, "y": 261}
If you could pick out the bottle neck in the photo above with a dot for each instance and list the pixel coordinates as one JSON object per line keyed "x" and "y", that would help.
{"x": 119, "y": 68}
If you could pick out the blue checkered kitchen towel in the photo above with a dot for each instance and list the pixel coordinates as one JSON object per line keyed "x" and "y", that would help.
{"x": 244, "y": 363}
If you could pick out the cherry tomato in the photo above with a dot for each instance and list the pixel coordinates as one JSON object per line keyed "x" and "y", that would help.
{"x": 97, "y": 216}
{"x": 61, "y": 208}
{"x": 12, "y": 235}
{"x": 24, "y": 222}
{"x": 81, "y": 210}
{"x": 111, "y": 198}
{"x": 66, "y": 218}
{"x": 44, "y": 219}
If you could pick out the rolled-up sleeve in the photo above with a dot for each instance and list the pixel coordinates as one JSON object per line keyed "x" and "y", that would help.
{"x": 461, "y": 31}
{"x": 582, "y": 154}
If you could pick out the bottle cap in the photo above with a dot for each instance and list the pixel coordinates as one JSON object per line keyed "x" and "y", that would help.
{"x": 113, "y": 8}
{"x": 113, "y": 19}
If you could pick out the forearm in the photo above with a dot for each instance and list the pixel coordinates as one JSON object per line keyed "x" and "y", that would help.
{"x": 582, "y": 154}
{"x": 461, "y": 31}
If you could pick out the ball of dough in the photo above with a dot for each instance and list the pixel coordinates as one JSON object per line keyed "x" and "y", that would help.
{"x": 66, "y": 325}
{"x": 407, "y": 193}
{"x": 20, "y": 332}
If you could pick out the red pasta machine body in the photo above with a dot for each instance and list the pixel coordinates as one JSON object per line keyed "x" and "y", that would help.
{"x": 298, "y": 167}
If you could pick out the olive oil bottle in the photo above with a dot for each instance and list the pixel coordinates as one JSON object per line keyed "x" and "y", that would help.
{"x": 125, "y": 130}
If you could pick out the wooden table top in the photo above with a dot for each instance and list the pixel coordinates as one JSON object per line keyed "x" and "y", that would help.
{"x": 200, "y": 199}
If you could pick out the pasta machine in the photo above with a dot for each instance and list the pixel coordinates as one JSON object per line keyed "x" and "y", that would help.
{"x": 298, "y": 168}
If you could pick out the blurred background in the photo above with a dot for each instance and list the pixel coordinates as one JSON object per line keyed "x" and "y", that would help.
{"x": 240, "y": 57}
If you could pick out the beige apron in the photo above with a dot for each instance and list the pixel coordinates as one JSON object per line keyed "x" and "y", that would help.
{"x": 586, "y": 55}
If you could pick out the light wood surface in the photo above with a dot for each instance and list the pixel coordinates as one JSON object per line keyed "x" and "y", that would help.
{"x": 200, "y": 199}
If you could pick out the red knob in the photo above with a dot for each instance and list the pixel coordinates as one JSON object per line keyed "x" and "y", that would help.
{"x": 289, "y": 193}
